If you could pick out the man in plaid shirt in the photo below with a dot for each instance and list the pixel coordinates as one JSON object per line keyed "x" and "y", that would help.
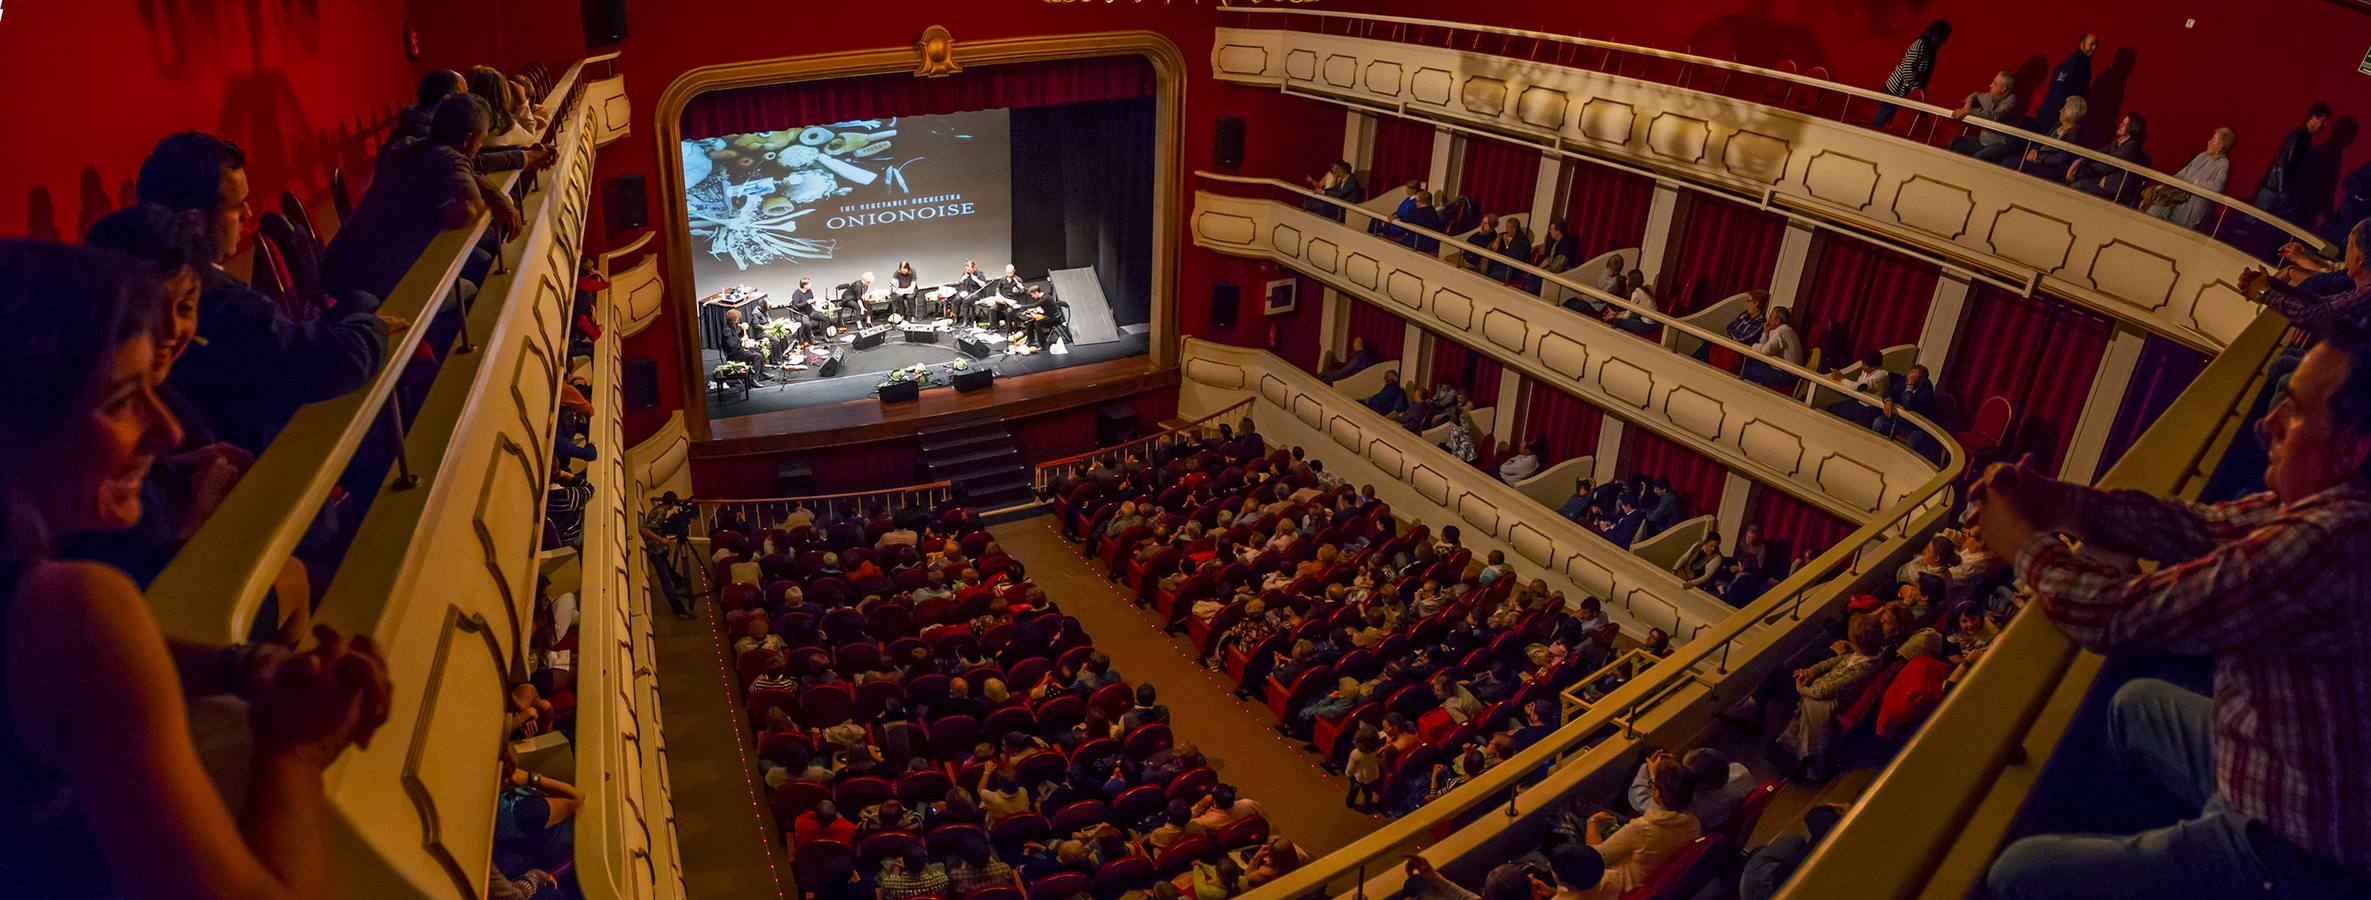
{"x": 2276, "y": 587}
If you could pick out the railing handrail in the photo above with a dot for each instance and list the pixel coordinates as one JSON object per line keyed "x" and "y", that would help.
{"x": 1196, "y": 424}
{"x": 824, "y": 498}
{"x": 1990, "y": 713}
{"x": 1720, "y": 339}
{"x": 213, "y": 586}
{"x": 1779, "y": 601}
{"x": 2004, "y": 128}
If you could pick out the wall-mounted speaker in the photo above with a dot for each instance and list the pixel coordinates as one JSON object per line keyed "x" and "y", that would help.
{"x": 642, "y": 382}
{"x": 1226, "y": 145}
{"x": 605, "y": 22}
{"x": 1225, "y": 304}
{"x": 629, "y": 202}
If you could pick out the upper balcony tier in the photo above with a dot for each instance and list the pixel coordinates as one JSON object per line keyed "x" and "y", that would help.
{"x": 1724, "y": 132}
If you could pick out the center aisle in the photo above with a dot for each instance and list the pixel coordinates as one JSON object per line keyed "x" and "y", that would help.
{"x": 1301, "y": 800}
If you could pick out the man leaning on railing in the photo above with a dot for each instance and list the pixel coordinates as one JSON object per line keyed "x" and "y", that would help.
{"x": 2272, "y": 767}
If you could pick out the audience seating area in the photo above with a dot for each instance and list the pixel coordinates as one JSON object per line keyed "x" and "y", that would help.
{"x": 935, "y": 698}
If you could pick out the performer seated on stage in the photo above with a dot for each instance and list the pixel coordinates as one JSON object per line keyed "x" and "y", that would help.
{"x": 995, "y": 307}
{"x": 802, "y": 304}
{"x": 1043, "y": 315}
{"x": 852, "y": 295}
{"x": 903, "y": 288}
{"x": 967, "y": 290}
{"x": 740, "y": 345}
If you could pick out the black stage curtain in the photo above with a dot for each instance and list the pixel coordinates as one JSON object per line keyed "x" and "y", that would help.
{"x": 1082, "y": 196}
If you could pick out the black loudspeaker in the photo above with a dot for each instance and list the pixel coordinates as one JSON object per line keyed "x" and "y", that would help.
{"x": 1115, "y": 423}
{"x": 901, "y": 392}
{"x": 642, "y": 382}
{"x": 605, "y": 22}
{"x": 1226, "y": 145}
{"x": 629, "y": 202}
{"x": 921, "y": 335}
{"x": 831, "y": 367}
{"x": 970, "y": 380}
{"x": 1225, "y": 302}
{"x": 972, "y": 347}
{"x": 870, "y": 338}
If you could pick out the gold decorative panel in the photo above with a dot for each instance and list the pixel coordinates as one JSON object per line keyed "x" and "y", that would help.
{"x": 1755, "y": 156}
{"x": 1607, "y": 121}
{"x": 1484, "y": 96}
{"x": 1542, "y": 107}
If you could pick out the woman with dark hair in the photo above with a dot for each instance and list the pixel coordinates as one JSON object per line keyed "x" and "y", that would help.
{"x": 119, "y": 804}
{"x": 1917, "y": 65}
{"x": 489, "y": 85}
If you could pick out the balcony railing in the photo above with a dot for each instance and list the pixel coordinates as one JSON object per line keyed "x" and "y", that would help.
{"x": 1932, "y": 822}
{"x": 1847, "y": 469}
{"x": 1713, "y": 665}
{"x": 2168, "y": 279}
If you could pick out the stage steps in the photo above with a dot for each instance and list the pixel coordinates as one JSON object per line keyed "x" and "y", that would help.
{"x": 979, "y": 456}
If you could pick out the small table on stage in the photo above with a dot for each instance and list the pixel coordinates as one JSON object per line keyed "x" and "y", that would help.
{"x": 712, "y": 310}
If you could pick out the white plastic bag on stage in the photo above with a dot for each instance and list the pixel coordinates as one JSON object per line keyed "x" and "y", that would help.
{"x": 1059, "y": 348}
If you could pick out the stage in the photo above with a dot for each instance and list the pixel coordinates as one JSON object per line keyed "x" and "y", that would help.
{"x": 861, "y": 372}
{"x": 866, "y": 420}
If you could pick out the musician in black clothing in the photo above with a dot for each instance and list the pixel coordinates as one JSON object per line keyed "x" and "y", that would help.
{"x": 996, "y": 306}
{"x": 903, "y": 289}
{"x": 802, "y": 304}
{"x": 851, "y": 295}
{"x": 967, "y": 291}
{"x": 1051, "y": 313}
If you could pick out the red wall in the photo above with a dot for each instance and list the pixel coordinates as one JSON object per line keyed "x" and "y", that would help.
{"x": 303, "y": 86}
{"x": 2254, "y": 67}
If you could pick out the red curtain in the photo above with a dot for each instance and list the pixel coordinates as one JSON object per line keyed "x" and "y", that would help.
{"x": 1500, "y": 176}
{"x": 2165, "y": 370}
{"x": 1607, "y": 210}
{"x": 1569, "y": 423}
{"x": 2038, "y": 352}
{"x": 1403, "y": 153}
{"x": 1473, "y": 372}
{"x": 1806, "y": 530}
{"x": 1294, "y": 335}
{"x": 1697, "y": 479}
{"x": 772, "y": 107}
{"x": 1726, "y": 248}
{"x": 1858, "y": 297}
{"x": 1383, "y": 332}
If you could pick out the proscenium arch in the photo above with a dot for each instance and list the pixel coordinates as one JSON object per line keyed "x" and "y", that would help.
{"x": 1169, "y": 81}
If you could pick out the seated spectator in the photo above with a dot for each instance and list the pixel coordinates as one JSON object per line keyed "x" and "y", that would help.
{"x": 413, "y": 121}
{"x": 2210, "y": 170}
{"x": 911, "y": 874}
{"x": 2051, "y": 161}
{"x": 976, "y": 867}
{"x": 1146, "y": 711}
{"x": 2102, "y": 180}
{"x": 1576, "y": 507}
{"x": 1221, "y": 808}
{"x": 511, "y": 143}
{"x": 1780, "y": 342}
{"x": 1720, "y": 785}
{"x": 760, "y": 633}
{"x": 823, "y": 823}
{"x": 1360, "y": 357}
{"x": 102, "y": 804}
{"x": 1746, "y": 327}
{"x": 1663, "y": 509}
{"x": 1698, "y": 566}
{"x": 1212, "y": 880}
{"x": 1424, "y": 214}
{"x": 1339, "y": 183}
{"x": 1508, "y": 239}
{"x": 424, "y": 187}
{"x": 1272, "y": 860}
{"x": 1176, "y": 823}
{"x": 1461, "y": 434}
{"x": 1995, "y": 103}
{"x": 1872, "y": 379}
{"x": 1768, "y": 868}
{"x": 1524, "y": 464}
{"x": 251, "y": 365}
{"x": 1632, "y": 850}
{"x": 1642, "y": 298}
{"x": 1823, "y": 685}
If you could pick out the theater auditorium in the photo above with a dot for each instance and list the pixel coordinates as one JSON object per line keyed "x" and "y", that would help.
{"x": 1072, "y": 451}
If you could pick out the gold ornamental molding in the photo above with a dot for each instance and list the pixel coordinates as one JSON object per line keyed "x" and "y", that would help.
{"x": 937, "y": 49}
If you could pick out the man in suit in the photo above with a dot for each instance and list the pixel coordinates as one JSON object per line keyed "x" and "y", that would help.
{"x": 1913, "y": 393}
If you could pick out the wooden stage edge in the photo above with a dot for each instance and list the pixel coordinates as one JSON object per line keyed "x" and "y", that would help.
{"x": 868, "y": 420}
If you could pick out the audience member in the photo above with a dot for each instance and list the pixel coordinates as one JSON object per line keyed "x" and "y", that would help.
{"x": 2103, "y": 180}
{"x": 1916, "y": 67}
{"x": 1359, "y": 358}
{"x": 424, "y": 187}
{"x": 2070, "y": 78}
{"x": 1996, "y": 103}
{"x": 2209, "y": 170}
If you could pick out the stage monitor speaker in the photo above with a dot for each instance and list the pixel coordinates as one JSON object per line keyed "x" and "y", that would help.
{"x": 831, "y": 367}
{"x": 901, "y": 391}
{"x": 629, "y": 202}
{"x": 605, "y": 22}
{"x": 870, "y": 338}
{"x": 1115, "y": 423}
{"x": 970, "y": 380}
{"x": 921, "y": 335}
{"x": 642, "y": 382}
{"x": 1226, "y": 145}
{"x": 972, "y": 347}
{"x": 1225, "y": 302}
